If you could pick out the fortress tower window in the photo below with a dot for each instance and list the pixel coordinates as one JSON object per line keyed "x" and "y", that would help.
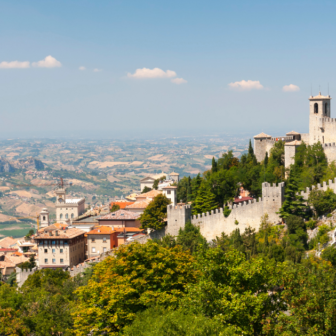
{"x": 315, "y": 108}
{"x": 66, "y": 216}
{"x": 325, "y": 108}
{"x": 61, "y": 216}
{"x": 72, "y": 215}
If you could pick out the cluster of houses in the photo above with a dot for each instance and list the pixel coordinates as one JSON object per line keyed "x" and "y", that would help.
{"x": 78, "y": 235}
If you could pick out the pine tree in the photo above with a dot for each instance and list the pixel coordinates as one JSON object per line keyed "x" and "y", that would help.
{"x": 293, "y": 204}
{"x": 214, "y": 165}
{"x": 205, "y": 200}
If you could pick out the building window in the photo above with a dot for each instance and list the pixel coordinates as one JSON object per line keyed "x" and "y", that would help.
{"x": 53, "y": 242}
{"x": 61, "y": 242}
{"x": 326, "y": 108}
{"x": 53, "y": 250}
{"x": 61, "y": 250}
{"x": 44, "y": 218}
{"x": 54, "y": 261}
{"x": 315, "y": 108}
{"x": 46, "y": 242}
{"x": 66, "y": 216}
{"x": 72, "y": 215}
{"x": 104, "y": 240}
{"x": 61, "y": 216}
{"x": 93, "y": 240}
{"x": 46, "y": 261}
{"x": 168, "y": 192}
{"x": 61, "y": 261}
{"x": 93, "y": 249}
{"x": 45, "y": 250}
{"x": 104, "y": 249}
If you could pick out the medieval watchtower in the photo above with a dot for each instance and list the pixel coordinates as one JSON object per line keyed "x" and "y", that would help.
{"x": 319, "y": 112}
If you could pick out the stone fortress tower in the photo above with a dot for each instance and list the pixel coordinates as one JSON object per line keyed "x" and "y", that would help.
{"x": 322, "y": 129}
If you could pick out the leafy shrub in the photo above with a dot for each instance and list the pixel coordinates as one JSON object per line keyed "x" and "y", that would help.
{"x": 311, "y": 224}
{"x": 329, "y": 215}
{"x": 226, "y": 211}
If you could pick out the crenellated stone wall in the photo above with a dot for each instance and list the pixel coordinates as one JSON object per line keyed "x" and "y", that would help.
{"x": 242, "y": 215}
{"x": 331, "y": 184}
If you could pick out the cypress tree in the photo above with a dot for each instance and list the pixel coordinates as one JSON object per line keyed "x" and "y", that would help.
{"x": 266, "y": 160}
{"x": 205, "y": 200}
{"x": 214, "y": 165}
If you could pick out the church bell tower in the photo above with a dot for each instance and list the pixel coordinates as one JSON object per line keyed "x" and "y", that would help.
{"x": 319, "y": 109}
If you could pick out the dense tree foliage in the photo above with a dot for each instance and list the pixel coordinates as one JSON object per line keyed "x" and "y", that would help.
{"x": 323, "y": 201}
{"x": 155, "y": 213}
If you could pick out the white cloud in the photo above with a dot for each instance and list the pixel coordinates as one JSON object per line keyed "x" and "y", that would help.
{"x": 82, "y": 68}
{"x": 178, "y": 81}
{"x": 290, "y": 88}
{"x": 152, "y": 73}
{"x": 246, "y": 85}
{"x": 97, "y": 70}
{"x": 48, "y": 62}
{"x": 15, "y": 65}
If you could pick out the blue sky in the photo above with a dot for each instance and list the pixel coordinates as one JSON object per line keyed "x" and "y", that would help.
{"x": 212, "y": 49}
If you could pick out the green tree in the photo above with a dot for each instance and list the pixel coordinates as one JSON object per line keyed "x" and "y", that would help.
{"x": 139, "y": 276}
{"x": 234, "y": 291}
{"x": 155, "y": 213}
{"x": 293, "y": 204}
{"x": 115, "y": 207}
{"x": 310, "y": 296}
{"x": 145, "y": 189}
{"x": 329, "y": 254}
{"x": 322, "y": 201}
{"x": 205, "y": 200}
{"x": 190, "y": 238}
{"x": 158, "y": 321}
{"x": 214, "y": 166}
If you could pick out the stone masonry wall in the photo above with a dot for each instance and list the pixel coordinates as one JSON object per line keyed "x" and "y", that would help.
{"x": 246, "y": 214}
{"x": 330, "y": 151}
{"x": 331, "y": 184}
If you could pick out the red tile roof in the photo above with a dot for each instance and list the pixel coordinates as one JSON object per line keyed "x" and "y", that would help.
{"x": 122, "y": 205}
{"x": 139, "y": 205}
{"x": 120, "y": 214}
{"x": 242, "y": 199}
{"x": 149, "y": 194}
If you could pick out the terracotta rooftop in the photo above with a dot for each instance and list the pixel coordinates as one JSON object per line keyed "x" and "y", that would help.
{"x": 101, "y": 230}
{"x": 262, "y": 135}
{"x": 122, "y": 205}
{"x": 174, "y": 174}
{"x": 8, "y": 250}
{"x": 7, "y": 242}
{"x": 109, "y": 230}
{"x": 120, "y": 214}
{"x": 62, "y": 234}
{"x": 170, "y": 187}
{"x": 242, "y": 199}
{"x": 149, "y": 194}
{"x": 138, "y": 205}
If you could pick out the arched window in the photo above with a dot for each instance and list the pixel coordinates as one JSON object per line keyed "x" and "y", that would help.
{"x": 72, "y": 216}
{"x": 66, "y": 216}
{"x": 61, "y": 216}
{"x": 315, "y": 108}
{"x": 326, "y": 108}
{"x": 44, "y": 218}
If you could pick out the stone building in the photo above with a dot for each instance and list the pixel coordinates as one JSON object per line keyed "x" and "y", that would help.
{"x": 322, "y": 129}
{"x": 60, "y": 247}
{"x": 67, "y": 209}
{"x": 104, "y": 238}
{"x": 120, "y": 219}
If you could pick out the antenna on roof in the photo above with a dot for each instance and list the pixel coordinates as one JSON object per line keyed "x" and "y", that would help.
{"x": 311, "y": 90}
{"x": 328, "y": 89}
